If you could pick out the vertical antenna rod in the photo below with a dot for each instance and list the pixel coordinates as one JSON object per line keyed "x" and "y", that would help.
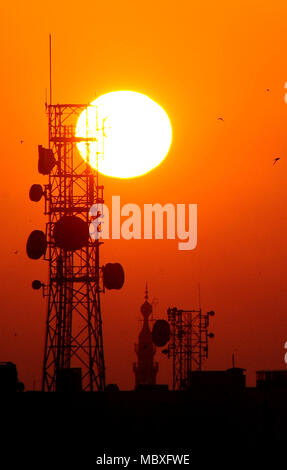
{"x": 50, "y": 54}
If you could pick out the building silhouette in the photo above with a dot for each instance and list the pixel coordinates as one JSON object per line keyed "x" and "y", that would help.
{"x": 145, "y": 368}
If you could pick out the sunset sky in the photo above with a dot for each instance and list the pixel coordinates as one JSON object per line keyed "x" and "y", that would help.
{"x": 199, "y": 61}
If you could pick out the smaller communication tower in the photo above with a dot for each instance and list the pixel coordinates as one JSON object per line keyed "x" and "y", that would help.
{"x": 188, "y": 345}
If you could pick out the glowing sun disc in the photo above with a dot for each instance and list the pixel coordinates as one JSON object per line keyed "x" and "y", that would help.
{"x": 133, "y": 134}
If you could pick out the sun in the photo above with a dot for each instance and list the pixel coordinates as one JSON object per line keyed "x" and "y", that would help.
{"x": 132, "y": 134}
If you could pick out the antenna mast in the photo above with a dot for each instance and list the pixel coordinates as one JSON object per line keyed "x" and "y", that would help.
{"x": 50, "y": 66}
{"x": 73, "y": 353}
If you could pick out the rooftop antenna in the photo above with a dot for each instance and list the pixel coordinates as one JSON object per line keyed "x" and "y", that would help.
{"x": 188, "y": 343}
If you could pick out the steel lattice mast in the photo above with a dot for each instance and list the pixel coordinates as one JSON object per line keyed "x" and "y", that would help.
{"x": 74, "y": 325}
{"x": 188, "y": 346}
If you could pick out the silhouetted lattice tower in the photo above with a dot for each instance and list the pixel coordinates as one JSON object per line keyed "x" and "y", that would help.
{"x": 73, "y": 340}
{"x": 74, "y": 325}
{"x": 188, "y": 345}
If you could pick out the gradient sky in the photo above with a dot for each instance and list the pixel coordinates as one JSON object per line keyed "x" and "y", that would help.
{"x": 199, "y": 61}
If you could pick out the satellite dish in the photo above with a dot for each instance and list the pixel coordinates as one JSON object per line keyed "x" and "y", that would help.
{"x": 36, "y": 284}
{"x": 46, "y": 160}
{"x": 71, "y": 233}
{"x": 36, "y": 192}
{"x": 36, "y": 244}
{"x": 160, "y": 333}
{"x": 113, "y": 275}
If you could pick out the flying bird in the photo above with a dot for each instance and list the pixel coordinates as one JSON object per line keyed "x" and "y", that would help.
{"x": 21, "y": 141}
{"x": 276, "y": 160}
{"x": 16, "y": 252}
{"x": 220, "y": 119}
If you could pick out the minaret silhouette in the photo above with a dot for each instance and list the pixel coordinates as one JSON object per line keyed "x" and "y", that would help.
{"x": 145, "y": 369}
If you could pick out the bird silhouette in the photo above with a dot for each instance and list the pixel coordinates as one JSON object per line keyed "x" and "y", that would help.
{"x": 16, "y": 252}
{"x": 220, "y": 119}
{"x": 276, "y": 160}
{"x": 21, "y": 141}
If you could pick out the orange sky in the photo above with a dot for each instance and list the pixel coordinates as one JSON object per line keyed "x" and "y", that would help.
{"x": 199, "y": 61}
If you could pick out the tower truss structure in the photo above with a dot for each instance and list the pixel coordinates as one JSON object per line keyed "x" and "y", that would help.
{"x": 74, "y": 326}
{"x": 188, "y": 346}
